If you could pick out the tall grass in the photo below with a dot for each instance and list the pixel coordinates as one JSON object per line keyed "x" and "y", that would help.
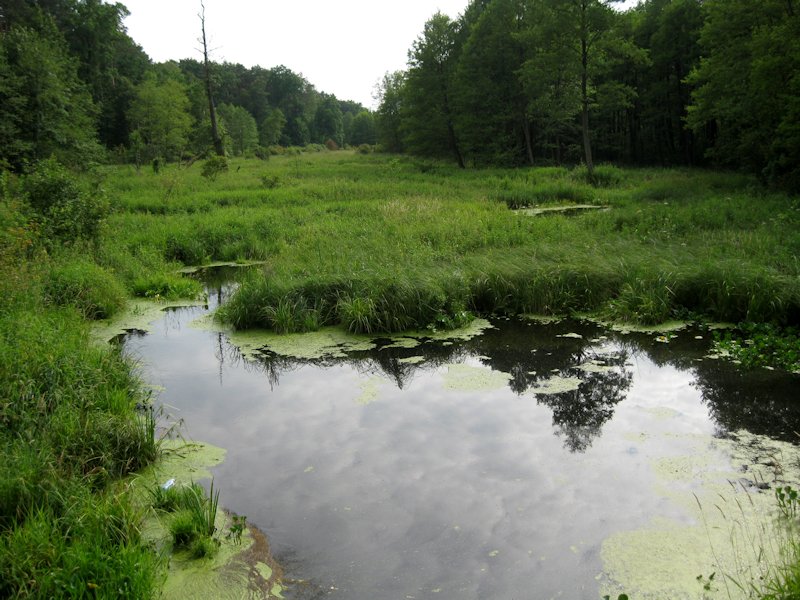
{"x": 69, "y": 428}
{"x": 377, "y": 243}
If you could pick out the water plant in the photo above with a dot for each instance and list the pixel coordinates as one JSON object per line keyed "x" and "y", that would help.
{"x": 237, "y": 528}
{"x": 761, "y": 345}
{"x": 192, "y": 523}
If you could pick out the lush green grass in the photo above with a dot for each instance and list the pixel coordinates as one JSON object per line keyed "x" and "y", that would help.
{"x": 380, "y": 243}
{"x": 69, "y": 427}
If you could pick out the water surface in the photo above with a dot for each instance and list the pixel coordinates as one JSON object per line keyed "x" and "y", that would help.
{"x": 488, "y": 468}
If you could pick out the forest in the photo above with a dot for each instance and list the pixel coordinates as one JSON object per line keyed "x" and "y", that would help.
{"x": 548, "y": 158}
{"x": 508, "y": 83}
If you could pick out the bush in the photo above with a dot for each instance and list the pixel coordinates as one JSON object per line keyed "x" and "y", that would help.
{"x": 331, "y": 145}
{"x": 213, "y": 166}
{"x": 95, "y": 292}
{"x": 66, "y": 213}
{"x": 365, "y": 149}
{"x": 262, "y": 153}
{"x": 270, "y": 181}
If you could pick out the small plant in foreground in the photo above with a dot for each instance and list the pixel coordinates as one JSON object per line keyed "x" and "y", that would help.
{"x": 236, "y": 529}
{"x": 193, "y": 524}
{"x": 707, "y": 582}
{"x": 788, "y": 502}
{"x": 204, "y": 510}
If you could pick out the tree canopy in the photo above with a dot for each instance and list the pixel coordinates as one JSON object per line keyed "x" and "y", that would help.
{"x": 551, "y": 81}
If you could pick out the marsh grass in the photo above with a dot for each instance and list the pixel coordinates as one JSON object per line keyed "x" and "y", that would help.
{"x": 83, "y": 284}
{"x": 380, "y": 243}
{"x": 192, "y": 524}
{"x": 69, "y": 428}
{"x": 371, "y": 242}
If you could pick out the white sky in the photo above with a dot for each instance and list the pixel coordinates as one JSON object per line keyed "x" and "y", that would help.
{"x": 342, "y": 47}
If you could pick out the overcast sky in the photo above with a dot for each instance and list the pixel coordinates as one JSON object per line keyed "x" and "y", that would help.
{"x": 342, "y": 47}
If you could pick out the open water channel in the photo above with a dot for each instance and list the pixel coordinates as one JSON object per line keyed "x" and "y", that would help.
{"x": 530, "y": 460}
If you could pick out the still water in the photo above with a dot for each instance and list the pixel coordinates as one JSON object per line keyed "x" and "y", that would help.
{"x": 494, "y": 467}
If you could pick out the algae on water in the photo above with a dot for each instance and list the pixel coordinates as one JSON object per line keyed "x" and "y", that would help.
{"x": 328, "y": 342}
{"x": 139, "y": 315}
{"x": 729, "y": 530}
{"x": 556, "y": 385}
{"x": 467, "y": 378}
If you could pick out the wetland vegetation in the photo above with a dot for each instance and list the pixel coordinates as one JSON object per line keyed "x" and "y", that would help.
{"x": 441, "y": 207}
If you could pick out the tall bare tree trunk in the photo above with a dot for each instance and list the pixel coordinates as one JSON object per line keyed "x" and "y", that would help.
{"x": 526, "y": 130}
{"x": 215, "y": 137}
{"x": 587, "y": 145}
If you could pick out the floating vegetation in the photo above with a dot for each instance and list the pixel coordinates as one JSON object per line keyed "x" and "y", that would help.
{"x": 412, "y": 360}
{"x": 728, "y": 530}
{"x": 469, "y": 379}
{"x": 138, "y": 315}
{"x": 369, "y": 390}
{"x": 760, "y": 345}
{"x": 556, "y": 385}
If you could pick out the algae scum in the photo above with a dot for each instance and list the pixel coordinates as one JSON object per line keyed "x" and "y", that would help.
{"x": 517, "y": 459}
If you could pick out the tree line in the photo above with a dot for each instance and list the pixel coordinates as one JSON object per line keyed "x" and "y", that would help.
{"x": 75, "y": 86}
{"x": 669, "y": 82}
{"x": 508, "y": 82}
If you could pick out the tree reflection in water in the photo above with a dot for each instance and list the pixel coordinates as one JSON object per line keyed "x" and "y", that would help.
{"x": 758, "y": 400}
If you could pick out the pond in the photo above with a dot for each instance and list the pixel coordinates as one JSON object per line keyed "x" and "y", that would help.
{"x": 530, "y": 460}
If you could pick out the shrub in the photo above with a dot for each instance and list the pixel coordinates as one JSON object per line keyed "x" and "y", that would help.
{"x": 262, "y": 153}
{"x": 270, "y": 181}
{"x": 365, "y": 149}
{"x": 331, "y": 145}
{"x": 66, "y": 212}
{"x": 213, "y": 166}
{"x": 95, "y": 292}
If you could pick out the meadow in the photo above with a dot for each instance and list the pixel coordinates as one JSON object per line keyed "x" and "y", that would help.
{"x": 381, "y": 243}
